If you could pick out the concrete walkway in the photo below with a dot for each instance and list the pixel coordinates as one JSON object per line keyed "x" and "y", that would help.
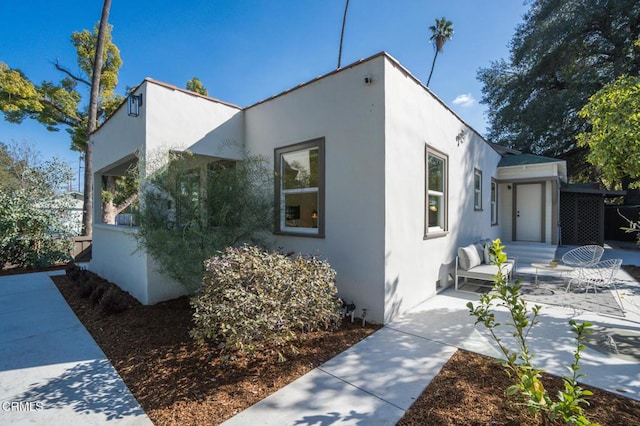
{"x": 51, "y": 370}
{"x": 377, "y": 380}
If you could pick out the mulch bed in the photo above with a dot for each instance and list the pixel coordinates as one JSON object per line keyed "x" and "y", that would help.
{"x": 179, "y": 381}
{"x": 469, "y": 390}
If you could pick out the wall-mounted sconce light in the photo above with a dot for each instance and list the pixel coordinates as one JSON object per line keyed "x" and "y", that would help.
{"x": 509, "y": 187}
{"x": 134, "y": 102}
{"x": 368, "y": 80}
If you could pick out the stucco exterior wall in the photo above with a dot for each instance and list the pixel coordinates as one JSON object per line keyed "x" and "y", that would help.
{"x": 120, "y": 137}
{"x": 169, "y": 119}
{"x": 118, "y": 259}
{"x": 349, "y": 114}
{"x": 414, "y": 118}
{"x": 115, "y": 257}
{"x": 180, "y": 121}
{"x": 505, "y": 213}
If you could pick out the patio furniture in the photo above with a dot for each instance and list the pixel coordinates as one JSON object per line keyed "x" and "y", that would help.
{"x": 474, "y": 261}
{"x": 580, "y": 257}
{"x": 549, "y": 267}
{"x": 583, "y": 255}
{"x": 599, "y": 275}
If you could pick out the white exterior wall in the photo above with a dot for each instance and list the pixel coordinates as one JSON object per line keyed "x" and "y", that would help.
{"x": 181, "y": 121}
{"x": 505, "y": 213}
{"x": 415, "y": 118}
{"x": 350, "y": 116}
{"x": 169, "y": 119}
{"x": 114, "y": 256}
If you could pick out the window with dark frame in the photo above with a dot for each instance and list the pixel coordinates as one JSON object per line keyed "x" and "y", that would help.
{"x": 299, "y": 189}
{"x": 436, "y": 214}
{"x": 477, "y": 189}
{"x": 494, "y": 202}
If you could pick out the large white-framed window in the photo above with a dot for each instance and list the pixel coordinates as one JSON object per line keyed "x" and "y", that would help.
{"x": 494, "y": 202}
{"x": 477, "y": 189}
{"x": 299, "y": 189}
{"x": 437, "y": 193}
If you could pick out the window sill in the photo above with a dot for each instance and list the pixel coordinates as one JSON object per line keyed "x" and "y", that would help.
{"x": 477, "y": 209}
{"x": 298, "y": 234}
{"x": 436, "y": 234}
{"x": 495, "y": 224}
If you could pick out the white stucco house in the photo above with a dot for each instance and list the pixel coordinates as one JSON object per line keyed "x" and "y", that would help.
{"x": 399, "y": 181}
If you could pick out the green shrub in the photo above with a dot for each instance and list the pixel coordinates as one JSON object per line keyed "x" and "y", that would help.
{"x": 35, "y": 221}
{"x": 193, "y": 207}
{"x": 85, "y": 286}
{"x": 114, "y": 301}
{"x": 99, "y": 290}
{"x": 251, "y": 298}
{"x": 72, "y": 271}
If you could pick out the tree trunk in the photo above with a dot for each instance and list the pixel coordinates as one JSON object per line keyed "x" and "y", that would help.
{"x": 111, "y": 210}
{"x": 344, "y": 21}
{"x": 87, "y": 217}
{"x": 433, "y": 64}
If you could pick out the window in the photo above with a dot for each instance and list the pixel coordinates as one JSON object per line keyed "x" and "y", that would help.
{"x": 188, "y": 196}
{"x": 494, "y": 202}
{"x": 299, "y": 188}
{"x": 477, "y": 189}
{"x": 437, "y": 193}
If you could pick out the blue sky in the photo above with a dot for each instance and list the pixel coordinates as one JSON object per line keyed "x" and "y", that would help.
{"x": 247, "y": 50}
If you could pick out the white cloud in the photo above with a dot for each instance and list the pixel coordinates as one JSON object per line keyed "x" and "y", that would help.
{"x": 465, "y": 100}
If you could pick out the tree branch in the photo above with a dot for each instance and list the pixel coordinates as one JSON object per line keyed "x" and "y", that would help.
{"x": 70, "y": 74}
{"x": 126, "y": 202}
{"x": 62, "y": 117}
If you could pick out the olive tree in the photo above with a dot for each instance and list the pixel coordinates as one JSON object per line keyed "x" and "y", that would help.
{"x": 193, "y": 207}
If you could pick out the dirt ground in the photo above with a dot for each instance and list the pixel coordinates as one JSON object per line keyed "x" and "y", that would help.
{"x": 181, "y": 382}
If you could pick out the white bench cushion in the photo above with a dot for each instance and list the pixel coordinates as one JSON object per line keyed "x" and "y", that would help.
{"x": 469, "y": 257}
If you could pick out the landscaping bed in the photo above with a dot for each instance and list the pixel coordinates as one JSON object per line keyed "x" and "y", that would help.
{"x": 180, "y": 381}
{"x": 177, "y": 380}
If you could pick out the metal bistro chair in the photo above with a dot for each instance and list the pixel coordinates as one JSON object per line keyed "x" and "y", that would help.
{"x": 583, "y": 256}
{"x": 580, "y": 257}
{"x": 599, "y": 275}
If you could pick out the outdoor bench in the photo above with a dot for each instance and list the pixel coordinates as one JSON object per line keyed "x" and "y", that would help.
{"x": 476, "y": 261}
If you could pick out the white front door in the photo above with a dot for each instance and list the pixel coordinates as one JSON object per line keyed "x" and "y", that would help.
{"x": 529, "y": 205}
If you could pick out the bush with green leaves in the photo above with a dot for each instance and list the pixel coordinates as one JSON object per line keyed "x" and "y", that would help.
{"x": 251, "y": 299}
{"x": 518, "y": 361}
{"x": 192, "y": 207}
{"x": 36, "y": 227}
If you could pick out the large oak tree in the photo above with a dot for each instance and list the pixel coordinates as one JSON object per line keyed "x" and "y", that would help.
{"x": 562, "y": 53}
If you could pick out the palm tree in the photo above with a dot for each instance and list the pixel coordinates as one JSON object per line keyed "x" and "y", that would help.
{"x": 441, "y": 32}
{"x": 344, "y": 21}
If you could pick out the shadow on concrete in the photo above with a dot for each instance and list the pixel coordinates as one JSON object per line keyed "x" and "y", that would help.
{"x": 91, "y": 387}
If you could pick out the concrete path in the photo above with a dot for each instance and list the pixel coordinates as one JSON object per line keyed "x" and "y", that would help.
{"x": 51, "y": 370}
